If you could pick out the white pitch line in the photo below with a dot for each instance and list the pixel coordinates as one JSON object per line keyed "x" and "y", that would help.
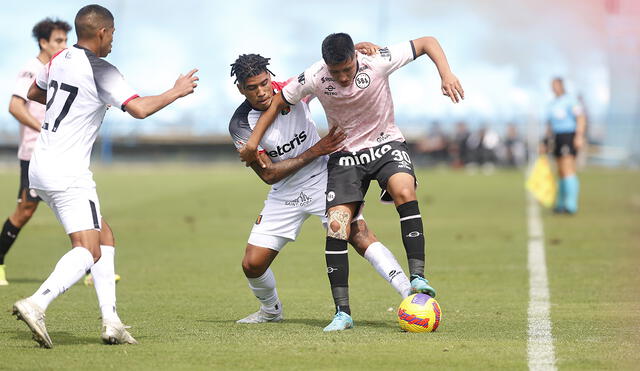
{"x": 540, "y": 349}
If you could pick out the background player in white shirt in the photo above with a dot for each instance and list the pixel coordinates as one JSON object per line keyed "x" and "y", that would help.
{"x": 78, "y": 86}
{"x": 354, "y": 91}
{"x": 51, "y": 37}
{"x": 295, "y": 165}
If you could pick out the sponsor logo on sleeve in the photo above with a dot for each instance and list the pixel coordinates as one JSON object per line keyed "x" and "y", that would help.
{"x": 301, "y": 79}
{"x": 385, "y": 53}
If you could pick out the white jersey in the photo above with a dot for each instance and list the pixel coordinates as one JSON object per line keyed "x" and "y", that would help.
{"x": 292, "y": 133}
{"x": 28, "y": 136}
{"x": 80, "y": 86}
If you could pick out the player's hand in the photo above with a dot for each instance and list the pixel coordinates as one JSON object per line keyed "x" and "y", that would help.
{"x": 367, "y": 48}
{"x": 249, "y": 155}
{"x": 451, "y": 87}
{"x": 330, "y": 142}
{"x": 186, "y": 84}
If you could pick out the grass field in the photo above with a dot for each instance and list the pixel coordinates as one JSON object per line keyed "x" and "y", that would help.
{"x": 181, "y": 233}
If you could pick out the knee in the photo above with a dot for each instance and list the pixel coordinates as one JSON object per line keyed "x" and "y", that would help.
{"x": 96, "y": 253}
{"x": 25, "y": 212}
{"x": 252, "y": 268}
{"x": 404, "y": 195}
{"x": 338, "y": 224}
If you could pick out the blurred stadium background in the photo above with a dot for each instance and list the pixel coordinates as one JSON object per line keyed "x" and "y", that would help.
{"x": 505, "y": 54}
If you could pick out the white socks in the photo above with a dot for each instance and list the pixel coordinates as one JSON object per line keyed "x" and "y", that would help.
{"x": 104, "y": 281}
{"x": 388, "y": 267}
{"x": 264, "y": 288}
{"x": 70, "y": 268}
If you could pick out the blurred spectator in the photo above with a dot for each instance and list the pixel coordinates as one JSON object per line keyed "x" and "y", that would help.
{"x": 482, "y": 147}
{"x": 513, "y": 152}
{"x": 458, "y": 150}
{"x": 435, "y": 146}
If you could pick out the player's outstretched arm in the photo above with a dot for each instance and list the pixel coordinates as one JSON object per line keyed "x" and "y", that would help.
{"x": 18, "y": 108}
{"x": 142, "y": 107}
{"x": 450, "y": 85}
{"x": 274, "y": 172}
{"x": 249, "y": 152}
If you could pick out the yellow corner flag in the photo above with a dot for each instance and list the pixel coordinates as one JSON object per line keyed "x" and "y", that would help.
{"x": 541, "y": 182}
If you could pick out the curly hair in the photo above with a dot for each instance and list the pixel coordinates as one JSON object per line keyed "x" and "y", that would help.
{"x": 44, "y": 28}
{"x": 249, "y": 65}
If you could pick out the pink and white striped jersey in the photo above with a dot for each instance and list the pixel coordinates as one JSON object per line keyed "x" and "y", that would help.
{"x": 28, "y": 136}
{"x": 364, "y": 110}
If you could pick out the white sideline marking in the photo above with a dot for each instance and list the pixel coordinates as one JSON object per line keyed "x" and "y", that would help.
{"x": 540, "y": 349}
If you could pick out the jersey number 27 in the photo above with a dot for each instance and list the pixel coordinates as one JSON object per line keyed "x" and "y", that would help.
{"x": 73, "y": 92}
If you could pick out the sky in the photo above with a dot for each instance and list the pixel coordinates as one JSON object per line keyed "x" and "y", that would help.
{"x": 504, "y": 53}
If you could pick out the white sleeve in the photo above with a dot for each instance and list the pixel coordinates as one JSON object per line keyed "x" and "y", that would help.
{"x": 42, "y": 80}
{"x": 301, "y": 87}
{"x": 395, "y": 56}
{"x": 23, "y": 83}
{"x": 111, "y": 85}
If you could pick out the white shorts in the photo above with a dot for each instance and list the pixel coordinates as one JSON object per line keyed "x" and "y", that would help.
{"x": 282, "y": 217}
{"x": 76, "y": 208}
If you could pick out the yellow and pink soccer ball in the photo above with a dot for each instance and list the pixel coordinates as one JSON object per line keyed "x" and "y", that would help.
{"x": 419, "y": 313}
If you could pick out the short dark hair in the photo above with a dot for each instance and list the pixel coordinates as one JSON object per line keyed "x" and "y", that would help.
{"x": 337, "y": 48}
{"x": 90, "y": 18}
{"x": 249, "y": 65}
{"x": 44, "y": 28}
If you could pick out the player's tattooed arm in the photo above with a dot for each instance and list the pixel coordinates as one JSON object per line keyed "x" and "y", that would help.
{"x": 338, "y": 222}
{"x": 249, "y": 152}
{"x": 274, "y": 172}
{"x": 450, "y": 85}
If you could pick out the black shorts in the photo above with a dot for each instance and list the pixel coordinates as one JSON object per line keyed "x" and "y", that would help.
{"x": 563, "y": 145}
{"x": 350, "y": 174}
{"x": 32, "y": 196}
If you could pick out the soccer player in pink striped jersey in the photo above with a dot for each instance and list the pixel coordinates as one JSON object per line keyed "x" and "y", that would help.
{"x": 353, "y": 89}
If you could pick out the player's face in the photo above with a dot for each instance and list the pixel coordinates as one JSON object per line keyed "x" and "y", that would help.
{"x": 57, "y": 41}
{"x": 558, "y": 87}
{"x": 343, "y": 73}
{"x": 105, "y": 35}
{"x": 258, "y": 91}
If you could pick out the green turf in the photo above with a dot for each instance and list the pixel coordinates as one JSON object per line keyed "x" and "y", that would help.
{"x": 181, "y": 233}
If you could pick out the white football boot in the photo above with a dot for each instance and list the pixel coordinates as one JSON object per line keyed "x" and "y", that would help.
{"x": 116, "y": 333}
{"x": 33, "y": 316}
{"x": 261, "y": 316}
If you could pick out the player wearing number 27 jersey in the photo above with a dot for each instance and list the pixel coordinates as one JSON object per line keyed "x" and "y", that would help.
{"x": 78, "y": 87}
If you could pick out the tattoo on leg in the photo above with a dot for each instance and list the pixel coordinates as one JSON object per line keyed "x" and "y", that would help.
{"x": 338, "y": 222}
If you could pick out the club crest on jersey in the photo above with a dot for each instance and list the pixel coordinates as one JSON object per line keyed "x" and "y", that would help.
{"x": 286, "y": 110}
{"x": 363, "y": 80}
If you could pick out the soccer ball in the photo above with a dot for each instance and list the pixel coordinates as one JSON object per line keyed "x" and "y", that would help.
{"x": 419, "y": 313}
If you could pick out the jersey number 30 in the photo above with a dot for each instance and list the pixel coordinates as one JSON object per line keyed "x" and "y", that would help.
{"x": 73, "y": 92}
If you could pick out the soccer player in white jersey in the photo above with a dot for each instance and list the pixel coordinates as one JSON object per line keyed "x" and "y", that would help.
{"x": 51, "y": 37}
{"x": 353, "y": 89}
{"x": 296, "y": 167}
{"x": 78, "y": 86}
